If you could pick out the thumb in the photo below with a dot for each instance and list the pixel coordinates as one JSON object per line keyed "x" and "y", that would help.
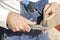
{"x": 31, "y": 23}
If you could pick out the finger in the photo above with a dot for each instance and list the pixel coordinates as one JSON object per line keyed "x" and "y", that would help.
{"x": 21, "y": 27}
{"x": 27, "y": 28}
{"x": 51, "y": 16}
{"x": 57, "y": 10}
{"x": 46, "y": 7}
{"x": 53, "y": 6}
{"x": 11, "y": 27}
{"x": 16, "y": 26}
{"x": 48, "y": 10}
{"x": 29, "y": 22}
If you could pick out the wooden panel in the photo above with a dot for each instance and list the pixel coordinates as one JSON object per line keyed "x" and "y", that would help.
{"x": 58, "y": 27}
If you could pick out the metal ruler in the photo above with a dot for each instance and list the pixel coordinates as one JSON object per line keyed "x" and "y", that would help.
{"x": 39, "y": 27}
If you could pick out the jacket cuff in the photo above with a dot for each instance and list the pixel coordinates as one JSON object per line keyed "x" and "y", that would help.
{"x": 3, "y": 17}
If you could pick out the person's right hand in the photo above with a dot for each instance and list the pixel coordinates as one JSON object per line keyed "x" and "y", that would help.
{"x": 50, "y": 10}
{"x": 18, "y": 23}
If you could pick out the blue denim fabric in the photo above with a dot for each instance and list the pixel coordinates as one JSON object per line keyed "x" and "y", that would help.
{"x": 37, "y": 16}
{"x": 26, "y": 3}
{"x": 27, "y": 37}
{"x": 33, "y": 34}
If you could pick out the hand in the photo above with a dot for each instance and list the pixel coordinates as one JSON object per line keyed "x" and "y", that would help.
{"x": 18, "y": 23}
{"x": 51, "y": 10}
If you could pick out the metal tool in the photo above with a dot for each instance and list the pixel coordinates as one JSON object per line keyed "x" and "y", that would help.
{"x": 38, "y": 27}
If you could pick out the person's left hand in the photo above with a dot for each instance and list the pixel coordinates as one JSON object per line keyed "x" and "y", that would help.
{"x": 51, "y": 10}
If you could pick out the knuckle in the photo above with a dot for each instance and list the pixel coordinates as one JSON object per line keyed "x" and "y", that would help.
{"x": 46, "y": 6}
{"x": 22, "y": 28}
